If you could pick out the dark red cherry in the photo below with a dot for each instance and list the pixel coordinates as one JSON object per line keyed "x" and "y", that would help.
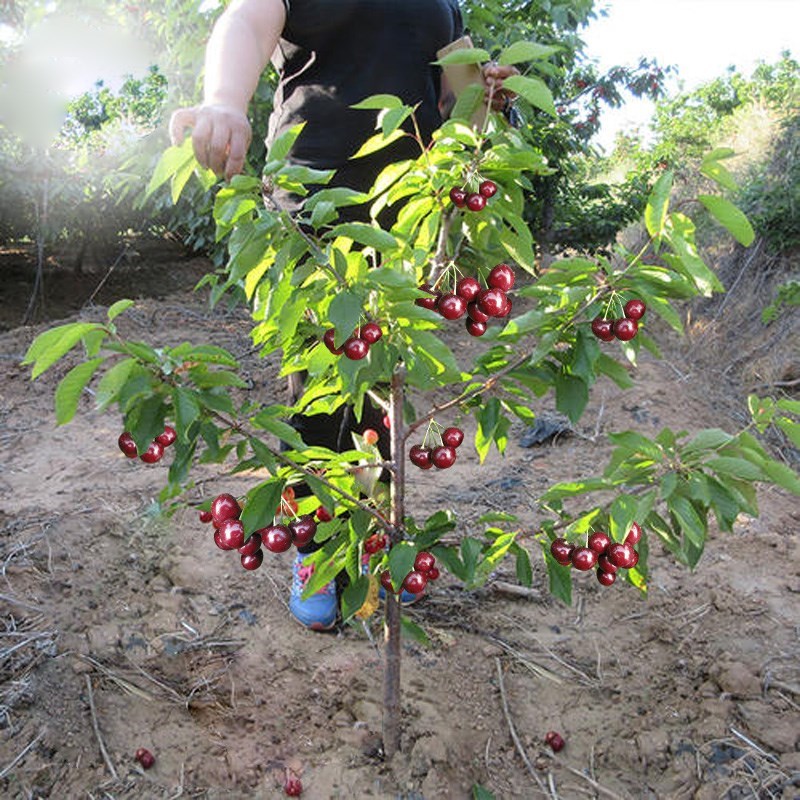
{"x": 634, "y": 309}
{"x": 219, "y": 543}
{"x": 598, "y": 541}
{"x": 251, "y": 561}
{"x": 252, "y": 544}
{"x": 154, "y": 452}
{"x": 355, "y": 349}
{"x": 468, "y": 288}
{"x": 303, "y": 530}
{"x": 424, "y": 562}
{"x": 561, "y": 551}
{"x": 634, "y": 559}
{"x": 606, "y": 578}
{"x": 328, "y": 340}
{"x": 386, "y": 581}
{"x": 415, "y": 582}
{"x": 231, "y": 534}
{"x": 451, "y": 306}
{"x": 488, "y": 189}
{"x": 475, "y": 328}
{"x": 475, "y": 314}
{"x": 605, "y": 564}
{"x": 603, "y": 328}
{"x": 371, "y": 332}
{"x": 168, "y": 437}
{"x": 205, "y": 516}
{"x": 620, "y": 555}
{"x": 276, "y": 538}
{"x": 127, "y": 445}
{"x": 420, "y": 456}
{"x": 443, "y": 457}
{"x": 501, "y": 277}
{"x": 583, "y": 558}
{"x": 491, "y": 302}
{"x": 634, "y": 535}
{"x": 506, "y": 310}
{"x": 452, "y": 437}
{"x": 433, "y": 573}
{"x": 431, "y": 301}
{"x": 458, "y": 196}
{"x": 625, "y": 329}
{"x": 323, "y": 515}
{"x": 225, "y": 506}
{"x": 375, "y": 543}
{"x": 476, "y": 202}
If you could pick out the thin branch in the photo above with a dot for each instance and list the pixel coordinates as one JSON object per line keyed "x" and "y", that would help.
{"x": 96, "y": 726}
{"x": 25, "y": 750}
{"x": 594, "y": 784}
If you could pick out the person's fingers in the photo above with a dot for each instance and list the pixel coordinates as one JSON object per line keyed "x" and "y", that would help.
{"x": 239, "y": 142}
{"x": 201, "y": 136}
{"x": 180, "y": 120}
{"x": 218, "y": 146}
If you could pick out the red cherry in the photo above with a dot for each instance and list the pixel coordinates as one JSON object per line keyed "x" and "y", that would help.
{"x": 145, "y": 758}
{"x": 625, "y": 329}
{"x": 488, "y": 189}
{"x": 583, "y": 558}
{"x": 443, "y": 457}
{"x": 603, "y": 328}
{"x": 555, "y": 741}
{"x": 433, "y": 573}
{"x": 168, "y": 437}
{"x": 561, "y": 551}
{"x": 323, "y": 515}
{"x": 276, "y": 538}
{"x": 451, "y": 306}
{"x": 598, "y": 541}
{"x": 127, "y": 445}
{"x": 225, "y": 506}
{"x": 420, "y": 456}
{"x": 634, "y": 309}
{"x": 219, "y": 543}
{"x": 375, "y": 543}
{"x": 415, "y": 582}
{"x": 428, "y": 302}
{"x": 458, "y": 196}
{"x": 606, "y": 578}
{"x": 205, "y": 516}
{"x": 355, "y": 349}
{"x": 491, "y": 302}
{"x": 303, "y": 530}
{"x": 252, "y": 561}
{"x": 293, "y": 787}
{"x": 620, "y": 555}
{"x": 452, "y": 437}
{"x": 475, "y": 328}
{"x": 501, "y": 277}
{"x": 476, "y": 202}
{"x": 424, "y": 562}
{"x": 371, "y": 332}
{"x": 386, "y": 581}
{"x": 604, "y": 563}
{"x": 475, "y": 314}
{"x": 370, "y": 436}
{"x": 506, "y": 310}
{"x": 634, "y": 534}
{"x": 252, "y": 544}
{"x": 387, "y": 423}
{"x": 634, "y": 559}
{"x": 231, "y": 534}
{"x": 328, "y": 340}
{"x": 154, "y": 453}
{"x": 468, "y": 288}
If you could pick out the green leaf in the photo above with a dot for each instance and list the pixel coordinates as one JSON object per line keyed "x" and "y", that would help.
{"x": 263, "y": 454}
{"x": 560, "y": 579}
{"x": 518, "y": 52}
{"x": 112, "y": 382}
{"x": 378, "y": 142}
{"x": 117, "y": 308}
{"x": 735, "y": 467}
{"x": 393, "y": 119}
{"x": 379, "y": 101}
{"x": 354, "y": 595}
{"x": 261, "y": 505}
{"x": 468, "y": 102}
{"x": 321, "y": 492}
{"x": 636, "y": 443}
{"x": 48, "y": 347}
{"x": 450, "y": 558}
{"x": 534, "y": 90}
{"x": 187, "y": 409}
{"x": 401, "y": 562}
{"x": 470, "y": 550}
{"x": 464, "y": 55}
{"x": 343, "y": 313}
{"x": 690, "y": 521}
{"x": 729, "y": 217}
{"x": 621, "y": 516}
{"x": 366, "y": 234}
{"x": 522, "y": 565}
{"x": 708, "y": 439}
{"x": 480, "y": 793}
{"x": 173, "y": 160}
{"x": 71, "y": 387}
{"x": 145, "y": 420}
{"x": 782, "y": 475}
{"x": 655, "y": 212}
{"x": 572, "y": 395}
{"x": 719, "y": 174}
{"x": 283, "y": 144}
{"x": 790, "y": 428}
{"x": 413, "y": 631}
{"x": 279, "y": 428}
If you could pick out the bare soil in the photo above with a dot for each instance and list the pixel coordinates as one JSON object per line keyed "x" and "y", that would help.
{"x": 124, "y": 627}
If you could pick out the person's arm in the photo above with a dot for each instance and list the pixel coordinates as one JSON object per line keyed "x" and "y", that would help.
{"x": 241, "y": 44}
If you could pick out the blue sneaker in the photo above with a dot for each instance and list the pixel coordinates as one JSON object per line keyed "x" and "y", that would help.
{"x": 317, "y": 612}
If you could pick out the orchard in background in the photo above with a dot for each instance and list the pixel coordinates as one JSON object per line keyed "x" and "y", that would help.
{"x": 315, "y": 285}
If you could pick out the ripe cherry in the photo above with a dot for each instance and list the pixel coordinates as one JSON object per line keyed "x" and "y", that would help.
{"x": 620, "y": 555}
{"x": 355, "y": 349}
{"x": 276, "y": 538}
{"x": 476, "y": 314}
{"x": 375, "y": 543}
{"x": 458, "y": 196}
{"x": 625, "y": 329}
{"x": 219, "y": 543}
{"x": 443, "y": 457}
{"x": 323, "y": 515}
{"x": 488, "y": 189}
{"x": 634, "y": 309}
{"x": 476, "y": 202}
{"x": 145, "y": 758}
{"x": 252, "y": 544}
{"x": 598, "y": 541}
{"x": 451, "y": 306}
{"x": 475, "y": 328}
{"x": 205, "y": 516}
{"x": 293, "y": 787}
{"x": 168, "y": 437}
{"x": 424, "y": 562}
{"x": 554, "y": 740}
{"x": 501, "y": 277}
{"x": 634, "y": 559}
{"x": 154, "y": 452}
{"x": 468, "y": 288}
{"x": 225, "y": 506}
{"x": 506, "y": 310}
{"x": 371, "y": 332}
{"x": 583, "y": 558}
{"x": 251, "y": 561}
{"x": 386, "y": 581}
{"x": 231, "y": 533}
{"x": 452, "y": 437}
{"x": 328, "y": 340}
{"x": 603, "y": 328}
{"x": 604, "y": 563}
{"x": 561, "y": 551}
{"x": 370, "y": 436}
{"x": 303, "y": 530}
{"x": 491, "y": 302}
{"x": 606, "y": 578}
{"x": 127, "y": 445}
{"x": 431, "y": 301}
{"x": 433, "y": 573}
{"x": 415, "y": 582}
{"x": 634, "y": 534}
{"x": 420, "y": 456}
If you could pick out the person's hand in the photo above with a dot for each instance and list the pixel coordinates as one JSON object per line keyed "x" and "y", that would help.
{"x": 493, "y": 76}
{"x": 220, "y": 136}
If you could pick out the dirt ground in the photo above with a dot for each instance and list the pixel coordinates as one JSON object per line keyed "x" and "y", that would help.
{"x": 123, "y": 629}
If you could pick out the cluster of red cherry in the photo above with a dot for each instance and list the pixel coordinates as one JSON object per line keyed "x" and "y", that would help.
{"x": 155, "y": 450}
{"x": 470, "y": 298}
{"x": 625, "y": 328}
{"x": 442, "y": 456}
{"x": 425, "y": 570}
{"x": 356, "y": 346}
{"x": 601, "y": 552}
{"x": 473, "y": 201}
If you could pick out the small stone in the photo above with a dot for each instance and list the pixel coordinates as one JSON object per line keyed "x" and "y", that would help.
{"x": 736, "y": 679}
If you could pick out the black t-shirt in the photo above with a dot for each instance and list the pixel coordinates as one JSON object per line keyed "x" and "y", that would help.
{"x": 334, "y": 53}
